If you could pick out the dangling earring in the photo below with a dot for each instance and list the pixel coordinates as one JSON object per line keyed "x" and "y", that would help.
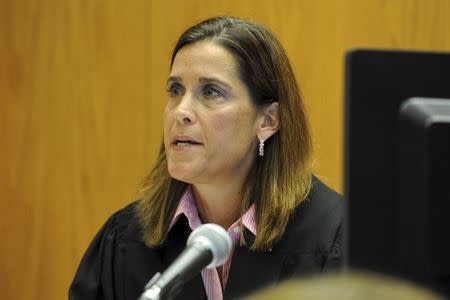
{"x": 261, "y": 147}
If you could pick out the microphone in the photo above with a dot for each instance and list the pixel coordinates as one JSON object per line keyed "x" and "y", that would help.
{"x": 207, "y": 246}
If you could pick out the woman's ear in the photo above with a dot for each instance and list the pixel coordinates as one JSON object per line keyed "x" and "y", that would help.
{"x": 268, "y": 121}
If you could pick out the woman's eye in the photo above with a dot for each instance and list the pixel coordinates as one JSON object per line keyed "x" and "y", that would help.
{"x": 174, "y": 90}
{"x": 211, "y": 92}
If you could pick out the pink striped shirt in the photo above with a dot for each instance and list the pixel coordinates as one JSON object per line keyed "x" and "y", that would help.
{"x": 210, "y": 277}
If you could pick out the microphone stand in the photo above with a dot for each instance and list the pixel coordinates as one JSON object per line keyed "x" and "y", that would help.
{"x": 151, "y": 291}
{"x": 168, "y": 285}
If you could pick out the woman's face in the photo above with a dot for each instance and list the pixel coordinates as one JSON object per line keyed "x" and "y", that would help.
{"x": 210, "y": 123}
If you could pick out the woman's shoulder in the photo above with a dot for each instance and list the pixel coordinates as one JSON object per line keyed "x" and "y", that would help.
{"x": 319, "y": 218}
{"x": 322, "y": 194}
{"x": 96, "y": 273}
{"x": 322, "y": 200}
{"x": 124, "y": 223}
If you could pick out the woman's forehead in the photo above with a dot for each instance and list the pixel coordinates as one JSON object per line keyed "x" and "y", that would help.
{"x": 204, "y": 59}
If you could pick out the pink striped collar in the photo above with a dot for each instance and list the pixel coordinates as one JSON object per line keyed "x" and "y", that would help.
{"x": 188, "y": 207}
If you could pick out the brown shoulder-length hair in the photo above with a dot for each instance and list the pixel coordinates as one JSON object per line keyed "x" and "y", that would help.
{"x": 281, "y": 179}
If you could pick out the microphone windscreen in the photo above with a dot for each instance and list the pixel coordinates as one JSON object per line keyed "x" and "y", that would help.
{"x": 214, "y": 238}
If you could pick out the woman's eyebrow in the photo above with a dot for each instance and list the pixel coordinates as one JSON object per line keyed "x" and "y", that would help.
{"x": 215, "y": 80}
{"x": 174, "y": 79}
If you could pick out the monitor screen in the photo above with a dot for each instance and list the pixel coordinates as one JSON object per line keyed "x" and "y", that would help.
{"x": 397, "y": 165}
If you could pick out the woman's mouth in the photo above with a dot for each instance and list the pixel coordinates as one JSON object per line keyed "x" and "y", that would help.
{"x": 182, "y": 143}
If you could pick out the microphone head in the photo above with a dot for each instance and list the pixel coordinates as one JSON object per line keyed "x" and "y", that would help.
{"x": 214, "y": 238}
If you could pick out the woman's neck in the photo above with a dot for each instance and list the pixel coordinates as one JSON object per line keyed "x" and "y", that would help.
{"x": 218, "y": 204}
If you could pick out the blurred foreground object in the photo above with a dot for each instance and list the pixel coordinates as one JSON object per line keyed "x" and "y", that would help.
{"x": 346, "y": 285}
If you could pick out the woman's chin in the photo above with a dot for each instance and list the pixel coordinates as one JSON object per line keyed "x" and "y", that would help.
{"x": 181, "y": 174}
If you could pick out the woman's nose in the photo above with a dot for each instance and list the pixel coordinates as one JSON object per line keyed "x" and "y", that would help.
{"x": 185, "y": 110}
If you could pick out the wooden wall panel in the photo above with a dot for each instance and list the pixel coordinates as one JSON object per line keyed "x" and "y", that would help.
{"x": 82, "y": 94}
{"x": 73, "y": 120}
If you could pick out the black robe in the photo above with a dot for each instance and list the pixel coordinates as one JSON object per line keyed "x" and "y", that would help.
{"x": 117, "y": 264}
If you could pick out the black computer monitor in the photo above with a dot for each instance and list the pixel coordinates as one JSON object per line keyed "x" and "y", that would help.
{"x": 397, "y": 164}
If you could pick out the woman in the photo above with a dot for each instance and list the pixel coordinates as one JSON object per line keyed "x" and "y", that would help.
{"x": 236, "y": 152}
